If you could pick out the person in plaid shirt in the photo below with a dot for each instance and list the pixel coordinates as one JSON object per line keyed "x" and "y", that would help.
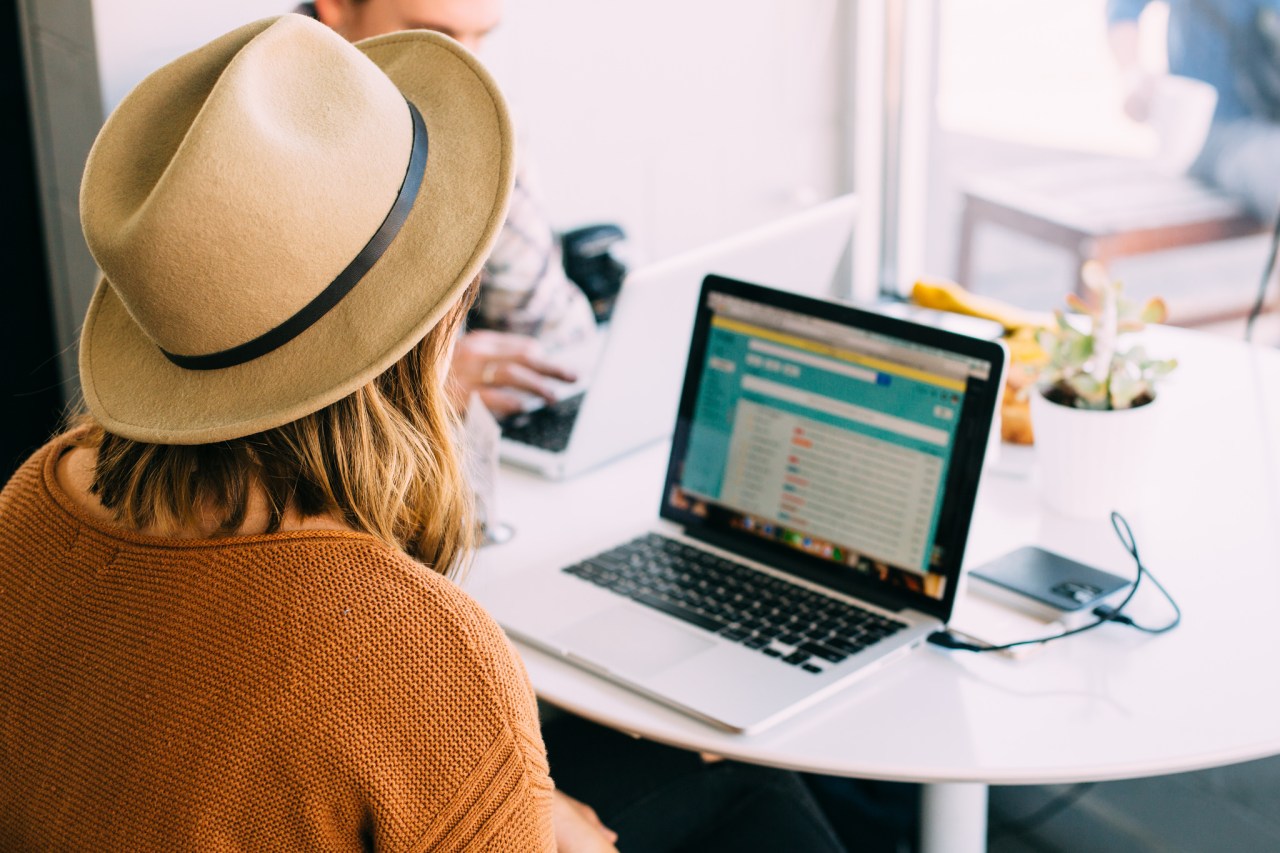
{"x": 527, "y": 306}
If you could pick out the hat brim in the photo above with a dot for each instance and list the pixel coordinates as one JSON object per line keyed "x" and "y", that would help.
{"x": 137, "y": 393}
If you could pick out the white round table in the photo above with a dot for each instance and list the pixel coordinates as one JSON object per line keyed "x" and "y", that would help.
{"x": 1109, "y": 704}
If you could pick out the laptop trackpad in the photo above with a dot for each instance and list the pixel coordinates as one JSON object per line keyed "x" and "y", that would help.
{"x": 628, "y": 641}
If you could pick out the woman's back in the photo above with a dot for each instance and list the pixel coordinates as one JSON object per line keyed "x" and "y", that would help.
{"x": 311, "y": 689}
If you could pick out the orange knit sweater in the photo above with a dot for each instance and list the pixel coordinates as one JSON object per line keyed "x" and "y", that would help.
{"x": 293, "y": 691}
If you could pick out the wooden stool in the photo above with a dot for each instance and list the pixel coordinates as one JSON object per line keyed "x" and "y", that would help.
{"x": 1102, "y": 209}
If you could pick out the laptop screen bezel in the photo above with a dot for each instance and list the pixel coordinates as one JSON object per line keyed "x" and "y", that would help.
{"x": 961, "y": 488}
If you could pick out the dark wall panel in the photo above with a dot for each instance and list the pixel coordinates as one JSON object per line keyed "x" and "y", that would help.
{"x": 30, "y": 399}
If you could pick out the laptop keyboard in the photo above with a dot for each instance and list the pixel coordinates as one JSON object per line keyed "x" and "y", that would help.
{"x": 548, "y": 427}
{"x": 782, "y": 620}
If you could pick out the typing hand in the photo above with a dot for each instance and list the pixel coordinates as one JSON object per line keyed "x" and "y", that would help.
{"x": 499, "y": 365}
{"x": 578, "y": 829}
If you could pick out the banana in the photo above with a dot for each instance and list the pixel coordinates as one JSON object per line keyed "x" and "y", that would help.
{"x": 948, "y": 296}
{"x": 1025, "y": 349}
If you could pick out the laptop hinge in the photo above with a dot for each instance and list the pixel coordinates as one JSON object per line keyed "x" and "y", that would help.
{"x": 794, "y": 565}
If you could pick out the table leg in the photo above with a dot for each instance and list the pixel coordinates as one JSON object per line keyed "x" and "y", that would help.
{"x": 953, "y": 818}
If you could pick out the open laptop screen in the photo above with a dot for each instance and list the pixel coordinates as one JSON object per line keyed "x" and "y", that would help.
{"x": 835, "y": 443}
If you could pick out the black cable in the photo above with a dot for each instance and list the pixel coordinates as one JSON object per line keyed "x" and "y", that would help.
{"x": 1104, "y": 613}
{"x": 1114, "y": 614}
{"x": 949, "y": 641}
{"x": 1261, "y": 299}
{"x": 1045, "y": 813}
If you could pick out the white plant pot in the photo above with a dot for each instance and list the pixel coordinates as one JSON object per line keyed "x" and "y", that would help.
{"x": 1093, "y": 462}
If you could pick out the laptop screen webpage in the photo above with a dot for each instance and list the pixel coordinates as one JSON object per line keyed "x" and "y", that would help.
{"x": 838, "y": 444}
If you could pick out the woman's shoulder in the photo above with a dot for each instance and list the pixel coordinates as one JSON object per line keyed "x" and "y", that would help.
{"x": 382, "y": 595}
{"x": 359, "y": 565}
{"x": 385, "y": 625}
{"x": 407, "y": 654}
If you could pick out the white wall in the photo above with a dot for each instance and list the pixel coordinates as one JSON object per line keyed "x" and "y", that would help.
{"x": 1066, "y": 93}
{"x": 135, "y": 37}
{"x": 684, "y": 121}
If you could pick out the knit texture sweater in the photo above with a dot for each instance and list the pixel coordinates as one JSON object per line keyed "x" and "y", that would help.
{"x": 293, "y": 691}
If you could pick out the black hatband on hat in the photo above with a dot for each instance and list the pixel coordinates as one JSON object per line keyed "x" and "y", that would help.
{"x": 340, "y": 286}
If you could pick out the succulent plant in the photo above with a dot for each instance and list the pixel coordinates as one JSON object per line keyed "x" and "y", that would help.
{"x": 1089, "y": 365}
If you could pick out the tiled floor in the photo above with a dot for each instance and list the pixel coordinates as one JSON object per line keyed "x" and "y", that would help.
{"x": 1226, "y": 809}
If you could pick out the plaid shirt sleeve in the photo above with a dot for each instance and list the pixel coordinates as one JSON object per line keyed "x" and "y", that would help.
{"x": 523, "y": 286}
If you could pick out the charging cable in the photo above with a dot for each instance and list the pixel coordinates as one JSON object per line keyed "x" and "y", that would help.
{"x": 1260, "y": 301}
{"x": 1103, "y": 613}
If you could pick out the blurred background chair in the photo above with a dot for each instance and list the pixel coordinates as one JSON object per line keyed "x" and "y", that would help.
{"x": 1104, "y": 209}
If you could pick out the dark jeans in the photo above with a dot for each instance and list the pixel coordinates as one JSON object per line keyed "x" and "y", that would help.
{"x": 658, "y": 798}
{"x": 869, "y": 816}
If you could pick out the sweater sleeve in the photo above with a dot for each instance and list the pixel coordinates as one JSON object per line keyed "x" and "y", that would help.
{"x": 511, "y": 810}
{"x": 428, "y": 717}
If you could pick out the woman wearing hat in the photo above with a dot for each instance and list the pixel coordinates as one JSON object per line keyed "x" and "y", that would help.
{"x": 224, "y": 618}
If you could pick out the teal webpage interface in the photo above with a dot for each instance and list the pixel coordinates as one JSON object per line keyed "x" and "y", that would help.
{"x": 836, "y": 452}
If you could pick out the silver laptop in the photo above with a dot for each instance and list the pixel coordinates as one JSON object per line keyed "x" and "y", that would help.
{"x": 817, "y": 502}
{"x": 631, "y": 396}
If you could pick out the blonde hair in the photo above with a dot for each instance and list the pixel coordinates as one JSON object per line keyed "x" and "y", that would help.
{"x": 383, "y": 458}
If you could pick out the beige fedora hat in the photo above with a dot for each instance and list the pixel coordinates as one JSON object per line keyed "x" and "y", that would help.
{"x": 279, "y": 216}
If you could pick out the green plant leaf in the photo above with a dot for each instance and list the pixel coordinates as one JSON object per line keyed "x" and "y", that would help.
{"x": 1078, "y": 305}
{"x": 1154, "y": 310}
{"x": 1079, "y": 350}
{"x": 1125, "y": 389}
{"x": 1090, "y": 393}
{"x": 1135, "y": 354}
{"x": 1075, "y": 347}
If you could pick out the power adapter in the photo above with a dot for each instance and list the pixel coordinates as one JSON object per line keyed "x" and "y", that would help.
{"x": 1047, "y": 586}
{"x": 1048, "y": 579}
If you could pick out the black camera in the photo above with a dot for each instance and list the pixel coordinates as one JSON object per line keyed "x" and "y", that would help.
{"x": 591, "y": 262}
